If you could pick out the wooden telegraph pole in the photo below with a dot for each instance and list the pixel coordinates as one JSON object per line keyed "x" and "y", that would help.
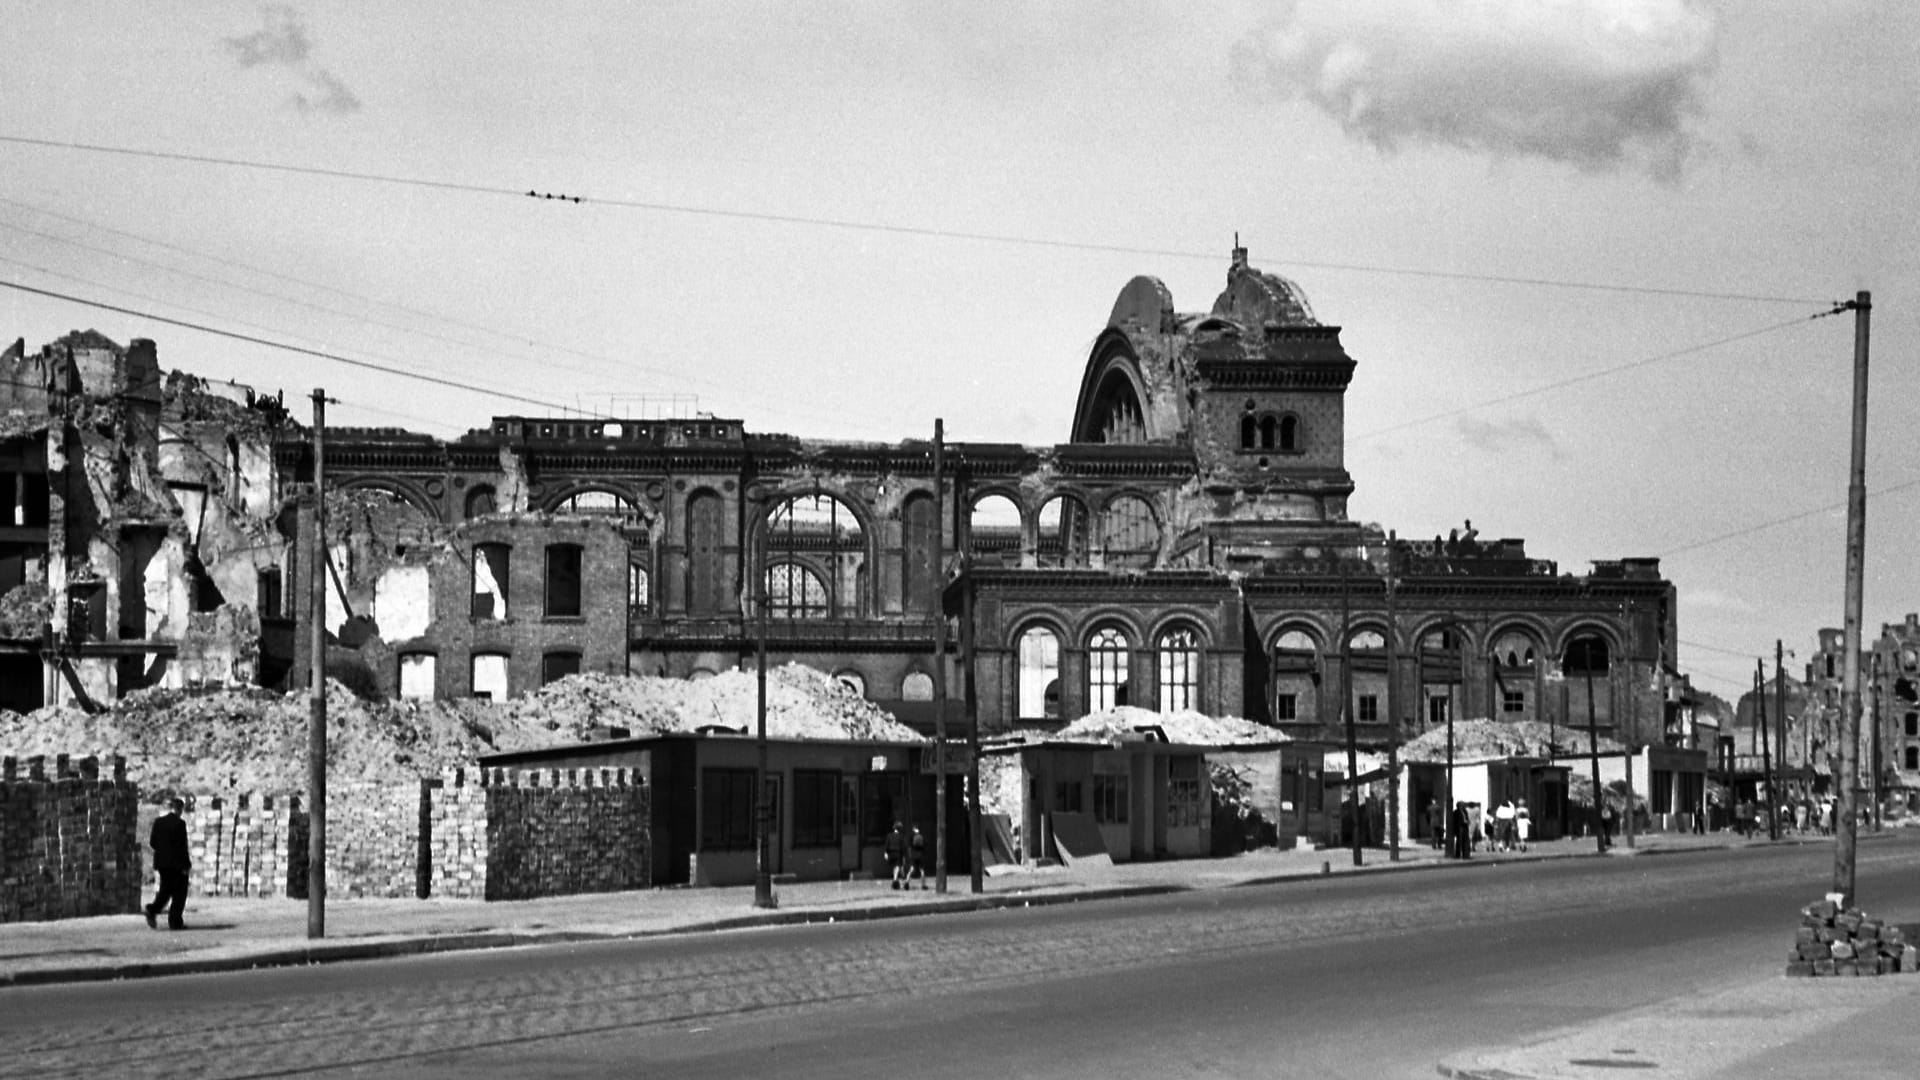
{"x": 1845, "y": 833}
{"x": 317, "y": 699}
{"x": 1766, "y": 748}
{"x": 939, "y": 659}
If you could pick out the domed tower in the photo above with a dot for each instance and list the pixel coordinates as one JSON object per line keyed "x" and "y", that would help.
{"x": 1256, "y": 388}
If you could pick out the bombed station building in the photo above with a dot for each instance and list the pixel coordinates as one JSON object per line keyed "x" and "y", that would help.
{"x": 1188, "y": 547}
{"x": 141, "y": 540}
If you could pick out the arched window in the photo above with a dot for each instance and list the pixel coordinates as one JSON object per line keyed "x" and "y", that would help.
{"x": 1268, "y": 427}
{"x": 595, "y": 501}
{"x": 706, "y": 561}
{"x": 993, "y": 527}
{"x": 826, "y": 534}
{"x": 480, "y": 501}
{"x": 1296, "y": 677}
{"x": 1177, "y": 663}
{"x": 1289, "y": 433}
{"x": 919, "y": 522}
{"x": 917, "y": 686}
{"x": 1107, "y": 653}
{"x": 795, "y": 592}
{"x": 853, "y": 681}
{"x": 1129, "y": 533}
{"x": 1038, "y": 687}
{"x": 1249, "y": 431}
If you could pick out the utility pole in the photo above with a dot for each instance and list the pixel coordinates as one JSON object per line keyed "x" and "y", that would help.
{"x": 1766, "y": 748}
{"x": 1780, "y": 706}
{"x": 976, "y": 840}
{"x": 762, "y": 805}
{"x": 1346, "y": 709}
{"x": 1593, "y": 749}
{"x": 939, "y": 659}
{"x": 1393, "y": 702}
{"x": 1873, "y": 719}
{"x": 317, "y": 718}
{"x": 1846, "y": 835}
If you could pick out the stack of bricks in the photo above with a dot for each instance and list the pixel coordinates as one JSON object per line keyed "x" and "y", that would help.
{"x": 1836, "y": 941}
{"x": 238, "y": 845}
{"x": 67, "y": 847}
{"x": 557, "y": 832}
{"x": 457, "y": 825}
{"x": 373, "y": 840}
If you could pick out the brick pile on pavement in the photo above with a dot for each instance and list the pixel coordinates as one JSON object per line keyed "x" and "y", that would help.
{"x": 1836, "y": 941}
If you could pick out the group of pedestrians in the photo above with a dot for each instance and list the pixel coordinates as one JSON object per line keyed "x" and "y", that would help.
{"x": 1508, "y": 828}
{"x": 907, "y": 856}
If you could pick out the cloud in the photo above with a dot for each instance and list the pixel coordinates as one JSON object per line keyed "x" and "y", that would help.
{"x": 283, "y": 40}
{"x": 334, "y": 96}
{"x": 1597, "y": 84}
{"x": 283, "y": 43}
{"x": 1507, "y": 436}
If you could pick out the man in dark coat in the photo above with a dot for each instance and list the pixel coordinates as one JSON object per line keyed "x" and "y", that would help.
{"x": 170, "y": 862}
{"x": 896, "y": 851}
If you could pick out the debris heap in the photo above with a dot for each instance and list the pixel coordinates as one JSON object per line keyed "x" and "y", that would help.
{"x": 1836, "y": 941}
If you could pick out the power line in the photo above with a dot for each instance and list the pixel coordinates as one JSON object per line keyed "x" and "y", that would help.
{"x": 1587, "y": 377}
{"x": 1802, "y": 515}
{"x": 627, "y": 367}
{"x": 271, "y": 344}
{"x": 926, "y": 232}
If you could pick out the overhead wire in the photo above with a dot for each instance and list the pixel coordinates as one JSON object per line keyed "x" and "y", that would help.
{"x": 928, "y": 232}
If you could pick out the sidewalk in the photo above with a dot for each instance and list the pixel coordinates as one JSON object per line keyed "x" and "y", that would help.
{"x": 229, "y": 934}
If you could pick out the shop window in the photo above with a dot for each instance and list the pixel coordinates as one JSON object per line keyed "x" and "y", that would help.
{"x": 726, "y": 809}
{"x": 883, "y": 801}
{"x": 1110, "y": 799}
{"x": 816, "y": 808}
{"x": 563, "y": 581}
{"x": 1067, "y": 796}
{"x": 491, "y": 563}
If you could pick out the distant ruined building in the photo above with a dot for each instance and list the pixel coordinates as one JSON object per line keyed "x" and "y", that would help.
{"x": 1187, "y": 547}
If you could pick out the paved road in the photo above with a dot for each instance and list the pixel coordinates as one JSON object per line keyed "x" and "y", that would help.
{"x": 1375, "y": 977}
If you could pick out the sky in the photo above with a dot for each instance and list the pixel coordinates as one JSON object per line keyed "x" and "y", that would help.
{"x": 1582, "y": 250}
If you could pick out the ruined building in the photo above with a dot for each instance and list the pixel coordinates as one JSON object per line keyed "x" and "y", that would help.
{"x": 139, "y": 535}
{"x": 1188, "y": 546}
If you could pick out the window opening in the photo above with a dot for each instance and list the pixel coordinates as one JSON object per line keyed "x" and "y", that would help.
{"x": 1177, "y": 658}
{"x": 1107, "y": 653}
{"x": 490, "y": 566}
{"x": 563, "y": 581}
{"x": 1039, "y": 679}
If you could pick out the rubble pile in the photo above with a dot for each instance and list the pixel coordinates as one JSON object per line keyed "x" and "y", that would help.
{"x": 254, "y": 740}
{"x": 802, "y": 703}
{"x": 1484, "y": 740}
{"x": 1184, "y": 727}
{"x": 1835, "y": 941}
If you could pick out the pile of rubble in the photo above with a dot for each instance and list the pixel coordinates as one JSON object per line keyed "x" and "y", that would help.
{"x": 1836, "y": 941}
{"x": 249, "y": 740}
{"x": 1485, "y": 740}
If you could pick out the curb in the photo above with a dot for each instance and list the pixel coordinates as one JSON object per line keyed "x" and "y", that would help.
{"x": 327, "y": 952}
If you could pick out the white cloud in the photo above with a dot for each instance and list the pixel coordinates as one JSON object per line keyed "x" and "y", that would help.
{"x": 1594, "y": 83}
{"x": 283, "y": 43}
{"x": 1527, "y": 435}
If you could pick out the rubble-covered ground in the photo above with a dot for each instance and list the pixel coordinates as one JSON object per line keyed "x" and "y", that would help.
{"x": 1184, "y": 727}
{"x": 1483, "y": 740}
{"x": 252, "y": 740}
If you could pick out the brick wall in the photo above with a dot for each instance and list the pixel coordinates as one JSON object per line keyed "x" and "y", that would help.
{"x": 556, "y": 832}
{"x": 67, "y": 840}
{"x": 73, "y": 844}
